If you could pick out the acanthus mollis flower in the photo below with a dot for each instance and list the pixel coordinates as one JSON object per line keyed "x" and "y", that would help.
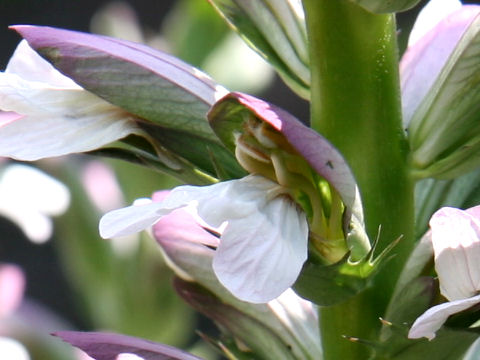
{"x": 283, "y": 328}
{"x": 455, "y": 236}
{"x": 100, "y": 90}
{"x": 441, "y": 89}
{"x": 168, "y": 101}
{"x": 300, "y": 191}
{"x": 265, "y": 231}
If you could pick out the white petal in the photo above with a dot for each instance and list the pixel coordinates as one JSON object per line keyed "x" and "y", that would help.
{"x": 27, "y": 196}
{"x": 26, "y": 63}
{"x": 34, "y": 189}
{"x": 139, "y": 217}
{"x": 238, "y": 200}
{"x": 301, "y": 318}
{"x": 434, "y": 12}
{"x": 74, "y": 121}
{"x": 131, "y": 219}
{"x": 261, "y": 255}
{"x": 456, "y": 244}
{"x": 224, "y": 201}
{"x": 59, "y": 116}
{"x": 432, "y": 320}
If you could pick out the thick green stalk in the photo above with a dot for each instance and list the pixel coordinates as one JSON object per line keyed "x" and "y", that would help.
{"x": 355, "y": 103}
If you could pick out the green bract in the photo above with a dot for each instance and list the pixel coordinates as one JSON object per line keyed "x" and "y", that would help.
{"x": 276, "y": 30}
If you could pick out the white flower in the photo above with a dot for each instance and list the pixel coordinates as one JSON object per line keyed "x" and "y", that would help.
{"x": 263, "y": 233}
{"x": 29, "y": 197}
{"x": 456, "y": 245}
{"x": 59, "y": 117}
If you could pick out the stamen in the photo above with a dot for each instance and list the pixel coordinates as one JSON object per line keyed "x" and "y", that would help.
{"x": 243, "y": 146}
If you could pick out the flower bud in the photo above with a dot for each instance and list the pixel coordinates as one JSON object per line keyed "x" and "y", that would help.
{"x": 440, "y": 90}
{"x": 276, "y": 30}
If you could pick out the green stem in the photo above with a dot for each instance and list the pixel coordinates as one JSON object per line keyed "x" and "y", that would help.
{"x": 355, "y": 103}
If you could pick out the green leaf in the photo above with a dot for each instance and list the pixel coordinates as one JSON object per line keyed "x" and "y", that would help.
{"x": 408, "y": 304}
{"x": 186, "y": 173}
{"x": 210, "y": 156}
{"x": 262, "y": 343}
{"x": 447, "y": 345}
{"x": 276, "y": 30}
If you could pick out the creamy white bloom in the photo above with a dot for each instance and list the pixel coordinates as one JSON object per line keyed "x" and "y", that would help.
{"x": 59, "y": 117}
{"x": 456, "y": 246}
{"x": 263, "y": 233}
{"x": 29, "y": 197}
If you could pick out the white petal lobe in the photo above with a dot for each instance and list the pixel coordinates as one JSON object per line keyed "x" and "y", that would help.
{"x": 456, "y": 244}
{"x": 428, "y": 323}
{"x": 261, "y": 255}
{"x": 32, "y": 67}
{"x": 130, "y": 220}
{"x": 29, "y": 196}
